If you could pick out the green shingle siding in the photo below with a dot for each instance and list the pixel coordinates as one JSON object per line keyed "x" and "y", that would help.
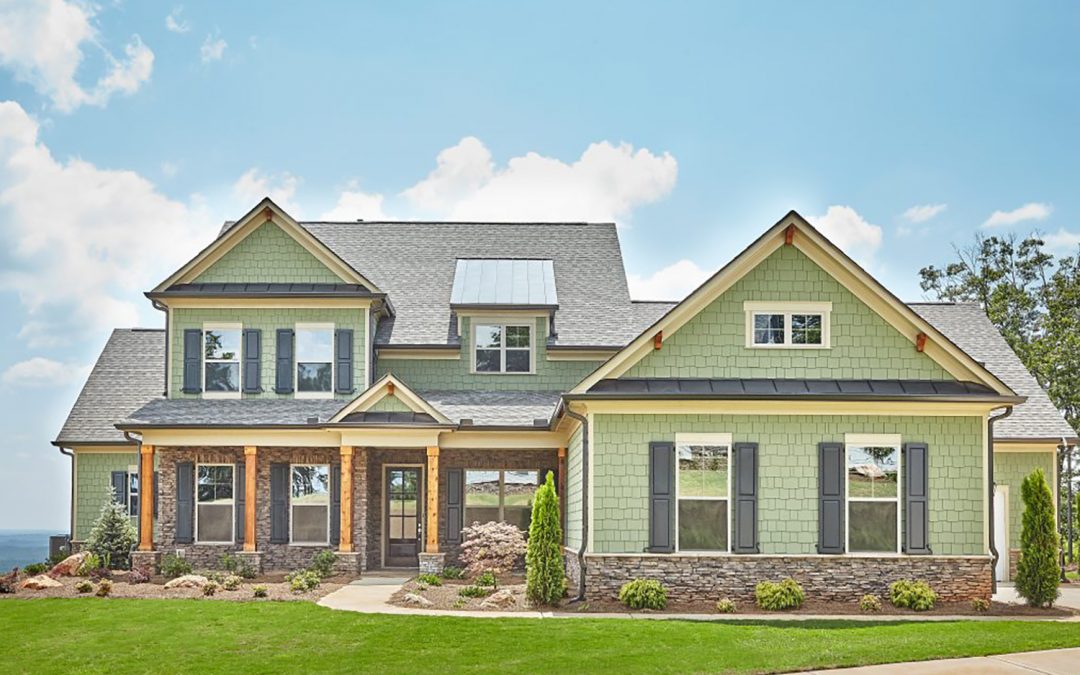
{"x": 573, "y": 490}
{"x": 788, "y": 474}
{"x": 390, "y": 404}
{"x": 713, "y": 343}
{"x": 1010, "y": 469}
{"x": 268, "y": 255}
{"x": 446, "y": 375}
{"x": 268, "y": 320}
{"x": 93, "y": 476}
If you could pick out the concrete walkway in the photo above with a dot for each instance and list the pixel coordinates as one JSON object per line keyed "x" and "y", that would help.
{"x": 1052, "y": 662}
{"x": 1069, "y": 598}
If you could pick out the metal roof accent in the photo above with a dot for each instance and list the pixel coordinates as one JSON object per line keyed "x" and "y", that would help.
{"x": 504, "y": 283}
{"x": 369, "y": 418}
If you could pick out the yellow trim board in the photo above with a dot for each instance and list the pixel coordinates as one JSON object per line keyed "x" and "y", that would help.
{"x": 269, "y": 303}
{"x": 379, "y": 391}
{"x": 164, "y": 439}
{"x": 1024, "y": 447}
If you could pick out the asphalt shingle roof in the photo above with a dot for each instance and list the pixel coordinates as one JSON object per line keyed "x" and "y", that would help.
{"x": 967, "y": 325}
{"x": 494, "y": 408}
{"x": 233, "y": 412}
{"x": 129, "y": 373}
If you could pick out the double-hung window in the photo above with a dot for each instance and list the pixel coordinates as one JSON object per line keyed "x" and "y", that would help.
{"x": 133, "y": 493}
{"x": 310, "y": 504}
{"x": 314, "y": 360}
{"x": 214, "y": 516}
{"x": 502, "y": 348}
{"x": 500, "y": 496}
{"x": 873, "y": 493}
{"x": 221, "y": 360}
{"x": 796, "y": 325}
{"x": 703, "y": 486}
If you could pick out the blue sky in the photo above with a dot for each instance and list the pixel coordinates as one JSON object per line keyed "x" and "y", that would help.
{"x": 129, "y": 131}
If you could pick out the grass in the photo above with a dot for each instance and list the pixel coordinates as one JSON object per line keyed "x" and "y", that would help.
{"x": 122, "y": 636}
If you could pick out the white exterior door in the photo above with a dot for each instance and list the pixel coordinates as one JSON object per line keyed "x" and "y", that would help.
{"x": 1001, "y": 532}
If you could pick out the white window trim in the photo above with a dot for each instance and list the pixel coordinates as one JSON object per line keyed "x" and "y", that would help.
{"x": 296, "y": 362}
{"x": 754, "y": 308}
{"x": 502, "y": 489}
{"x": 329, "y": 505}
{"x": 239, "y": 361}
{"x": 474, "y": 324}
{"x": 133, "y": 471}
{"x": 879, "y": 440}
{"x": 232, "y": 506}
{"x": 710, "y": 440}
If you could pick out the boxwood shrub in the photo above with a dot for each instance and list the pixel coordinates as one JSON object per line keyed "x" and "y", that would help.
{"x": 643, "y": 594}
{"x": 787, "y": 594}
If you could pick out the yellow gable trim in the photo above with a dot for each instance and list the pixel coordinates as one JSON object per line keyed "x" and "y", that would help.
{"x": 265, "y": 211}
{"x": 381, "y": 390}
{"x": 834, "y": 262}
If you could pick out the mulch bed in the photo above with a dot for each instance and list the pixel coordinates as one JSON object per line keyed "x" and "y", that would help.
{"x": 816, "y": 607}
{"x": 447, "y": 596}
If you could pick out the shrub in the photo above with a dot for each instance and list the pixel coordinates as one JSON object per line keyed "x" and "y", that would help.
{"x": 104, "y": 588}
{"x": 303, "y": 580}
{"x": 870, "y": 603}
{"x": 237, "y": 565}
{"x": 231, "y": 582}
{"x": 473, "y": 592}
{"x": 34, "y": 569}
{"x": 980, "y": 605}
{"x": 137, "y": 577}
{"x": 725, "y": 606}
{"x": 1037, "y": 572}
{"x": 451, "y": 572}
{"x": 498, "y": 547}
{"x": 210, "y": 588}
{"x": 916, "y": 595}
{"x": 487, "y": 579}
{"x": 99, "y": 573}
{"x": 787, "y": 594}
{"x": 545, "y": 580}
{"x": 90, "y": 563}
{"x": 173, "y": 566}
{"x": 84, "y": 586}
{"x": 643, "y": 594}
{"x": 323, "y": 563}
{"x": 113, "y": 536}
{"x": 430, "y": 579}
{"x": 260, "y": 591}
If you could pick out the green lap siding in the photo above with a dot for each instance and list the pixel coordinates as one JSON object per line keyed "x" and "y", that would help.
{"x": 1010, "y": 469}
{"x": 269, "y": 321}
{"x": 573, "y": 490}
{"x": 713, "y": 343}
{"x": 93, "y": 476}
{"x": 268, "y": 255}
{"x": 788, "y": 487}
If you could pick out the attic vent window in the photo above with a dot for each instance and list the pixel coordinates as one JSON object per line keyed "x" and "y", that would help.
{"x": 510, "y": 284}
{"x": 788, "y": 325}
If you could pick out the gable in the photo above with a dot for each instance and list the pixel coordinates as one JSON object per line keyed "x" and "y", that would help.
{"x": 390, "y": 404}
{"x": 268, "y": 255}
{"x": 389, "y": 395}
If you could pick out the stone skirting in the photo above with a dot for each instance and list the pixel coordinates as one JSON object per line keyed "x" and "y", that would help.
{"x": 831, "y": 578}
{"x": 146, "y": 562}
{"x": 572, "y": 568}
{"x": 432, "y": 563}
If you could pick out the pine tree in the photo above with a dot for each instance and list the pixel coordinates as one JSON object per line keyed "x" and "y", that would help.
{"x": 1037, "y": 573}
{"x": 113, "y": 536}
{"x": 545, "y": 582}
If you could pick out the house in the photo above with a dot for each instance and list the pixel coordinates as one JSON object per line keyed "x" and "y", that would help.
{"x": 374, "y": 387}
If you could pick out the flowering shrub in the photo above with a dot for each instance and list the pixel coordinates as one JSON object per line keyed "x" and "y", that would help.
{"x": 494, "y": 547}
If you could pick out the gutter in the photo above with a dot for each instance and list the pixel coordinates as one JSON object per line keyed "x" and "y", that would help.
{"x": 71, "y": 512}
{"x": 994, "y": 555}
{"x": 584, "y": 501}
{"x": 164, "y": 309}
{"x": 664, "y": 396}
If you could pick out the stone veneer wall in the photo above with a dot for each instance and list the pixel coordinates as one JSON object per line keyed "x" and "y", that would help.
{"x": 832, "y": 578}
{"x": 273, "y": 556}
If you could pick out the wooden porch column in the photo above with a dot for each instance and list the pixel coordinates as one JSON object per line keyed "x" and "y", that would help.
{"x": 250, "y": 493}
{"x": 345, "y": 541}
{"x": 561, "y": 487}
{"x": 431, "y": 527}
{"x": 146, "y": 503}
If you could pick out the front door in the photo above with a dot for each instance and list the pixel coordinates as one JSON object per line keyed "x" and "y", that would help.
{"x": 402, "y": 509}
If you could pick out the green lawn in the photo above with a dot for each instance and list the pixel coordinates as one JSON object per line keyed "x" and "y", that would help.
{"x": 121, "y": 636}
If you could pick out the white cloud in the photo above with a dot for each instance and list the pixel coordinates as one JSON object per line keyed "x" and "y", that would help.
{"x": 254, "y": 185}
{"x": 673, "y": 282}
{"x": 212, "y": 49}
{"x": 1029, "y": 211}
{"x": 923, "y": 212}
{"x": 176, "y": 23}
{"x": 43, "y": 43}
{"x": 606, "y": 183}
{"x": 355, "y": 204}
{"x": 169, "y": 169}
{"x": 42, "y": 372}
{"x": 79, "y": 263}
{"x": 1063, "y": 241}
{"x": 851, "y": 232}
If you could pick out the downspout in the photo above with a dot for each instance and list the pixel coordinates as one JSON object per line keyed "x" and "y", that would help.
{"x": 159, "y": 306}
{"x": 994, "y": 555}
{"x": 71, "y": 512}
{"x": 584, "y": 501}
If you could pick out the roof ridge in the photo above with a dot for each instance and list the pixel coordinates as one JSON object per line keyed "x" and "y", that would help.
{"x": 570, "y": 223}
{"x": 137, "y": 329}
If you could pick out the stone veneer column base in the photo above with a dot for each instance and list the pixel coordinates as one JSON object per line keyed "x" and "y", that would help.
{"x": 572, "y": 570}
{"x": 146, "y": 562}
{"x": 830, "y": 578}
{"x": 432, "y": 563}
{"x": 347, "y": 562}
{"x": 253, "y": 558}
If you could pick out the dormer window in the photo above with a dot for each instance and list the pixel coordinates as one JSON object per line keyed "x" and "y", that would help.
{"x": 221, "y": 360}
{"x": 502, "y": 348}
{"x": 788, "y": 325}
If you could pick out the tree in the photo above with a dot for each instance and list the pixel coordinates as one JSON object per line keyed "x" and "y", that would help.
{"x": 113, "y": 536}
{"x": 1037, "y": 573}
{"x": 545, "y": 582}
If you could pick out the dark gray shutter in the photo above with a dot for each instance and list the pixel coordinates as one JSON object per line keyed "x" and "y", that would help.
{"x": 279, "y": 503}
{"x": 284, "y": 361}
{"x": 119, "y": 486}
{"x": 746, "y": 499}
{"x": 156, "y": 483}
{"x": 335, "y": 504}
{"x": 343, "y": 360}
{"x": 192, "y": 361}
{"x": 661, "y": 497}
{"x": 252, "y": 360}
{"x": 830, "y": 498}
{"x": 185, "y": 502}
{"x": 916, "y": 498}
{"x": 455, "y": 512}
{"x": 239, "y": 506}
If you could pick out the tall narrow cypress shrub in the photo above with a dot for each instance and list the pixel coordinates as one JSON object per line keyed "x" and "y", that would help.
{"x": 545, "y": 581}
{"x": 1037, "y": 573}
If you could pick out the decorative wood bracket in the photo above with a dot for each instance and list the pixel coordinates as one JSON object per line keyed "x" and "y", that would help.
{"x": 920, "y": 342}
{"x": 390, "y": 388}
{"x": 658, "y": 340}
{"x": 789, "y": 235}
